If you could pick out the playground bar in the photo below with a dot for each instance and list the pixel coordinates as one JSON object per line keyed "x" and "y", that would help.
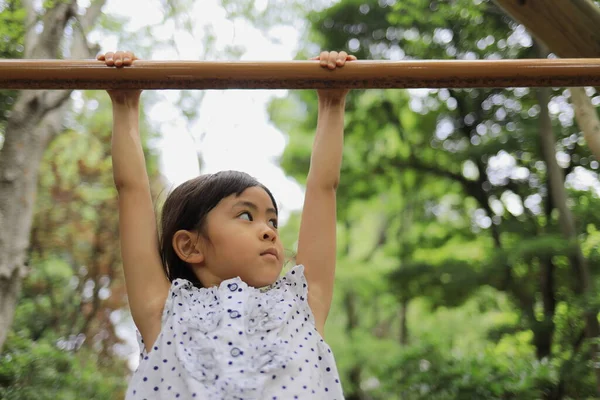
{"x": 362, "y": 74}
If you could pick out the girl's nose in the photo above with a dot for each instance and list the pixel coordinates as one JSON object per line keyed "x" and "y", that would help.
{"x": 268, "y": 234}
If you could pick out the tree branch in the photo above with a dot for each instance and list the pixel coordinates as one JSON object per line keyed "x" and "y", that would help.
{"x": 31, "y": 19}
{"x": 587, "y": 119}
{"x": 81, "y": 47}
{"x": 54, "y": 99}
{"x": 381, "y": 237}
{"x": 54, "y": 21}
{"x": 95, "y": 269}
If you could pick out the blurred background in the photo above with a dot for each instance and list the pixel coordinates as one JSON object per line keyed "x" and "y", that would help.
{"x": 469, "y": 219}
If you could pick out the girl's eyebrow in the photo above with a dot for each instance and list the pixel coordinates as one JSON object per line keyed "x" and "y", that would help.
{"x": 252, "y": 206}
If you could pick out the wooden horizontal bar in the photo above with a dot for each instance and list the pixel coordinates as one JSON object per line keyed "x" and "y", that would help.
{"x": 92, "y": 74}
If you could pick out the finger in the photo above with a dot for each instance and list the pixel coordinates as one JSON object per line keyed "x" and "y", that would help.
{"x": 351, "y": 58}
{"x": 341, "y": 60}
{"x": 100, "y": 57}
{"x": 315, "y": 58}
{"x": 324, "y": 57}
{"x": 108, "y": 58}
{"x": 119, "y": 58}
{"x": 128, "y": 58}
{"x": 332, "y": 59}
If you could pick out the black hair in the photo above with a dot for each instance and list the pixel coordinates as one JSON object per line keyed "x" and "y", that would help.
{"x": 187, "y": 206}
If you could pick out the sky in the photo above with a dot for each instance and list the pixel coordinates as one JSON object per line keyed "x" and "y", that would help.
{"x": 233, "y": 129}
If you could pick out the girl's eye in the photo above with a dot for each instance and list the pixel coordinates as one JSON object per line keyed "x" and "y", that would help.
{"x": 274, "y": 223}
{"x": 249, "y": 218}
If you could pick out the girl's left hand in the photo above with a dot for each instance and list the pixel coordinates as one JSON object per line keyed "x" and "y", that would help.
{"x": 332, "y": 60}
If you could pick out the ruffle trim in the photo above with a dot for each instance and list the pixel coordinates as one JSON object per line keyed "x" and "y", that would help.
{"x": 196, "y": 312}
{"x": 201, "y": 308}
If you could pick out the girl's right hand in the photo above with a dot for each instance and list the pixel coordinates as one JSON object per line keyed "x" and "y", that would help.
{"x": 118, "y": 59}
{"x": 121, "y": 59}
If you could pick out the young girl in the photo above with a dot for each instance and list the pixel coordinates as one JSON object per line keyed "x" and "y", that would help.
{"x": 208, "y": 329}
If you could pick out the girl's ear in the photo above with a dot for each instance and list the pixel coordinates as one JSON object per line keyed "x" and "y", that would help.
{"x": 187, "y": 246}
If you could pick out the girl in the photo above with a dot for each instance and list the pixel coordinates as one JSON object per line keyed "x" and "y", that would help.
{"x": 214, "y": 319}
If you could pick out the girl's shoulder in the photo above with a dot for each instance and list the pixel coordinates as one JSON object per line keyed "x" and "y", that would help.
{"x": 294, "y": 279}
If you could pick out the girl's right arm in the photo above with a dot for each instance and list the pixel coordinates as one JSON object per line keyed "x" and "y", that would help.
{"x": 145, "y": 279}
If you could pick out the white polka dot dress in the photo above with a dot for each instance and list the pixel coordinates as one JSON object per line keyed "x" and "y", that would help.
{"x": 237, "y": 342}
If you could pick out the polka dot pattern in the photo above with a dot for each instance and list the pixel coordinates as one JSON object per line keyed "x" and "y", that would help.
{"x": 237, "y": 342}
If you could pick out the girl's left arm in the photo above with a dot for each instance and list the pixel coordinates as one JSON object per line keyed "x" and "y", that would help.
{"x": 317, "y": 239}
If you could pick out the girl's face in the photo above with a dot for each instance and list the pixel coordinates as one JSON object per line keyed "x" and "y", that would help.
{"x": 244, "y": 240}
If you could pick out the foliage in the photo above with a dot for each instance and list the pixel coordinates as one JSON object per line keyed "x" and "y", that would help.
{"x": 37, "y": 363}
{"x": 454, "y": 280}
{"x": 65, "y": 342}
{"x": 444, "y": 198}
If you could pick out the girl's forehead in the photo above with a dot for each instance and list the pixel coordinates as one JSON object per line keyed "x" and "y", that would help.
{"x": 254, "y": 194}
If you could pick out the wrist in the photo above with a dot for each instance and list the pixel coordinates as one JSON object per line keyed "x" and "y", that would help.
{"x": 129, "y": 107}
{"x": 125, "y": 98}
{"x": 125, "y": 104}
{"x": 332, "y": 101}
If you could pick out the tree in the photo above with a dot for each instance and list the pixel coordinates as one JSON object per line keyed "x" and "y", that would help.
{"x": 457, "y": 222}
{"x": 65, "y": 342}
{"x": 35, "y": 119}
{"x": 569, "y": 29}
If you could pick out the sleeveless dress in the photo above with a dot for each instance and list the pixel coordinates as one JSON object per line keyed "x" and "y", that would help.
{"x": 237, "y": 342}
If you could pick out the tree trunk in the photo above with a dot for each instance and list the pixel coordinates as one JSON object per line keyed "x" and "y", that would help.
{"x": 578, "y": 262}
{"x": 569, "y": 29}
{"x": 545, "y": 328}
{"x": 402, "y": 313}
{"x": 587, "y": 119}
{"x": 19, "y": 161}
{"x": 35, "y": 120}
{"x": 355, "y": 373}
